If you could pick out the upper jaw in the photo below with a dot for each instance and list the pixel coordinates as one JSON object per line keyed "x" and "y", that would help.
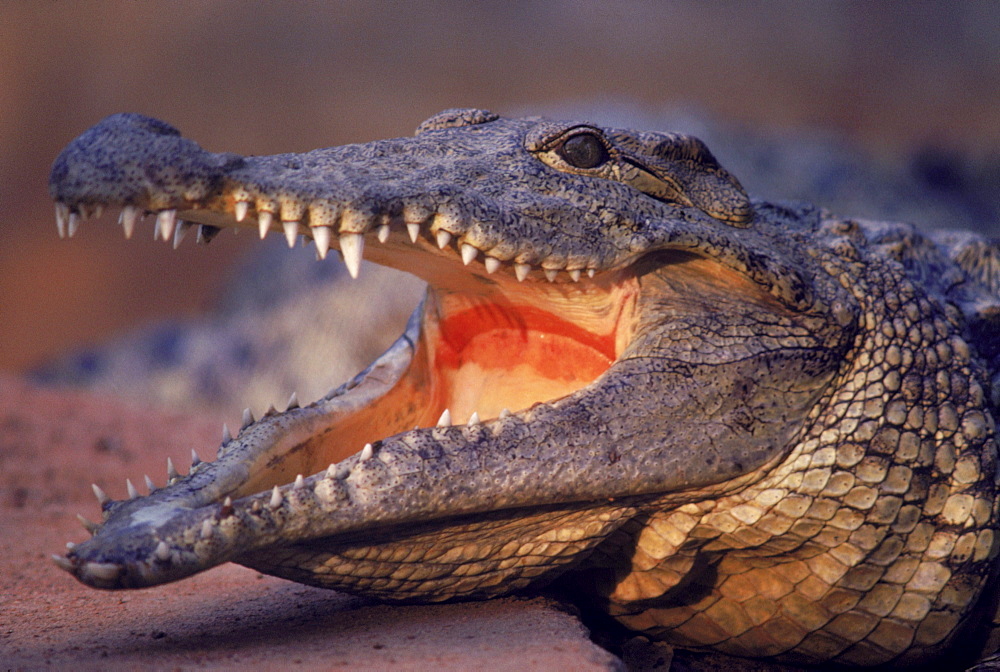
{"x": 391, "y": 191}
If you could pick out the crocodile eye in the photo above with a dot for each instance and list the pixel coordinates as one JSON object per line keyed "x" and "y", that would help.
{"x": 584, "y": 150}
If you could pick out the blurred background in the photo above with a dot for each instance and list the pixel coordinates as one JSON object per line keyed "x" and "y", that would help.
{"x": 911, "y": 82}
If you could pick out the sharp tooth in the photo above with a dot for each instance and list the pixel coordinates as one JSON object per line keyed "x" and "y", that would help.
{"x": 166, "y": 220}
{"x": 128, "y": 218}
{"x": 504, "y": 413}
{"x": 492, "y": 264}
{"x": 468, "y": 253}
{"x": 64, "y": 563}
{"x": 62, "y": 214}
{"x": 172, "y": 472}
{"x": 383, "y": 233}
{"x": 321, "y": 234}
{"x": 104, "y": 571}
{"x": 293, "y": 402}
{"x": 473, "y": 419}
{"x": 149, "y": 483}
{"x": 299, "y": 482}
{"x": 206, "y": 529}
{"x": 414, "y": 231}
{"x": 88, "y": 525}
{"x": 227, "y": 436}
{"x": 102, "y": 497}
{"x": 521, "y": 271}
{"x": 180, "y": 232}
{"x": 132, "y": 492}
{"x": 247, "y": 419}
{"x": 291, "y": 232}
{"x": 352, "y": 246}
{"x": 331, "y": 471}
{"x": 575, "y": 274}
{"x": 276, "y": 498}
{"x": 551, "y": 274}
{"x": 74, "y": 224}
{"x": 195, "y": 460}
{"x": 367, "y": 452}
{"x": 443, "y": 238}
{"x": 591, "y": 272}
{"x": 445, "y": 419}
{"x": 162, "y": 551}
{"x": 271, "y": 410}
{"x": 240, "y": 210}
{"x": 263, "y": 226}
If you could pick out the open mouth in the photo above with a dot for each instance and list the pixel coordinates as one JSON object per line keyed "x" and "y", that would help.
{"x": 561, "y": 368}
{"x": 490, "y": 339}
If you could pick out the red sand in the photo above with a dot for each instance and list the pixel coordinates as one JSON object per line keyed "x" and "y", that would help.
{"x": 54, "y": 444}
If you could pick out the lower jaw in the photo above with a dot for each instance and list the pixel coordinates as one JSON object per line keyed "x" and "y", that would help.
{"x": 462, "y": 367}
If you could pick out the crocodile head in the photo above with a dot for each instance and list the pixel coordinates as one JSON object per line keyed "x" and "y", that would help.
{"x": 612, "y": 332}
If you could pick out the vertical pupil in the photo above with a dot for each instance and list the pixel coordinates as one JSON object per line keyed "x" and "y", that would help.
{"x": 583, "y": 151}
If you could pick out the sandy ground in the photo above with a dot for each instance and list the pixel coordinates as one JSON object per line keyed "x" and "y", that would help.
{"x": 54, "y": 444}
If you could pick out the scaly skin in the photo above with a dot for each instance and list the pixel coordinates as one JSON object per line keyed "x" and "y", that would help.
{"x": 735, "y": 425}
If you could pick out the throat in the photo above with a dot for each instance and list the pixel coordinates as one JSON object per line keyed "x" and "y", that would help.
{"x": 493, "y": 353}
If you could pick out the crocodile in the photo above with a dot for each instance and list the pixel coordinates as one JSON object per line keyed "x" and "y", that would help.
{"x": 733, "y": 425}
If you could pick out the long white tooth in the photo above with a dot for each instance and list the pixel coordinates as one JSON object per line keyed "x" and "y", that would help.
{"x": 74, "y": 224}
{"x": 206, "y": 529}
{"x": 227, "y": 436}
{"x": 62, "y": 215}
{"x": 149, "y": 483}
{"x": 128, "y": 218}
{"x": 88, "y": 525}
{"x": 195, "y": 460}
{"x": 166, "y": 220}
{"x": 492, "y": 264}
{"x": 366, "y": 452}
{"x": 276, "y": 498}
{"x": 172, "y": 472}
{"x": 240, "y": 210}
{"x": 248, "y": 419}
{"x": 162, "y": 551}
{"x": 551, "y": 274}
{"x": 322, "y": 234}
{"x": 521, "y": 271}
{"x": 132, "y": 492}
{"x": 64, "y": 563}
{"x": 443, "y": 238}
{"x": 299, "y": 482}
{"x": 291, "y": 230}
{"x": 263, "y": 226}
{"x": 591, "y": 272}
{"x": 468, "y": 253}
{"x": 473, "y": 419}
{"x": 445, "y": 419}
{"x": 104, "y": 571}
{"x": 293, "y": 402}
{"x": 352, "y": 246}
{"x": 575, "y": 274}
{"x": 414, "y": 231}
{"x": 180, "y": 232}
{"x": 102, "y": 497}
{"x": 383, "y": 233}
